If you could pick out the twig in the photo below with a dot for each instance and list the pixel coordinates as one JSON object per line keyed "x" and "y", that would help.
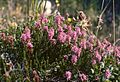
{"x": 116, "y": 42}
{"x": 102, "y": 4}
{"x": 100, "y": 17}
{"x": 104, "y": 9}
{"x": 114, "y": 37}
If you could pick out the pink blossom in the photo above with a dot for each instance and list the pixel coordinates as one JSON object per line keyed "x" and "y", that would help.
{"x": 104, "y": 53}
{"x": 107, "y": 45}
{"x": 68, "y": 75}
{"x": 68, "y": 38}
{"x": 110, "y": 48}
{"x": 2, "y": 36}
{"x": 89, "y": 45}
{"x": 83, "y": 43}
{"x": 59, "y": 19}
{"x": 45, "y": 28}
{"x": 79, "y": 52}
{"x": 117, "y": 52}
{"x": 60, "y": 29}
{"x": 65, "y": 26}
{"x": 50, "y": 33}
{"x": 83, "y": 77}
{"x": 91, "y": 38}
{"x": 70, "y": 31}
{"x": 98, "y": 56}
{"x": 26, "y": 34}
{"x": 103, "y": 46}
{"x": 37, "y": 24}
{"x": 23, "y": 38}
{"x": 75, "y": 49}
{"x": 41, "y": 17}
{"x": 44, "y": 20}
{"x": 106, "y": 42}
{"x": 74, "y": 36}
{"x": 77, "y": 29}
{"x": 53, "y": 41}
{"x": 65, "y": 57}
{"x": 27, "y": 30}
{"x": 93, "y": 61}
{"x": 29, "y": 45}
{"x": 99, "y": 44}
{"x": 61, "y": 37}
{"x": 10, "y": 39}
{"x": 69, "y": 27}
{"x": 107, "y": 73}
{"x": 74, "y": 59}
{"x": 83, "y": 33}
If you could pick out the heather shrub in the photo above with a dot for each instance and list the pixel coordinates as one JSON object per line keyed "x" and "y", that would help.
{"x": 57, "y": 48}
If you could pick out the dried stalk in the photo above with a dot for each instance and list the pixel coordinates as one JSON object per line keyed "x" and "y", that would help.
{"x": 114, "y": 32}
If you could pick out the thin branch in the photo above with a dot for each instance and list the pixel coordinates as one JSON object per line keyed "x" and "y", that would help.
{"x": 116, "y": 42}
{"x": 102, "y": 4}
{"x": 114, "y": 35}
{"x": 105, "y": 8}
{"x": 100, "y": 18}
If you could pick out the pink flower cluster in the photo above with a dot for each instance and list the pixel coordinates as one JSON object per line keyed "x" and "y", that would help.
{"x": 59, "y": 19}
{"x": 79, "y": 40}
{"x": 107, "y": 73}
{"x": 10, "y": 39}
{"x": 67, "y": 35}
{"x": 117, "y": 51}
{"x": 3, "y": 36}
{"x": 77, "y": 52}
{"x": 45, "y": 28}
{"x": 98, "y": 56}
{"x": 83, "y": 77}
{"x": 29, "y": 45}
{"x": 42, "y": 20}
{"x": 7, "y": 39}
{"x": 26, "y": 39}
{"x": 50, "y": 33}
{"x": 68, "y": 75}
{"x": 74, "y": 59}
{"x": 26, "y": 36}
{"x": 62, "y": 37}
{"x": 37, "y": 24}
{"x": 65, "y": 57}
